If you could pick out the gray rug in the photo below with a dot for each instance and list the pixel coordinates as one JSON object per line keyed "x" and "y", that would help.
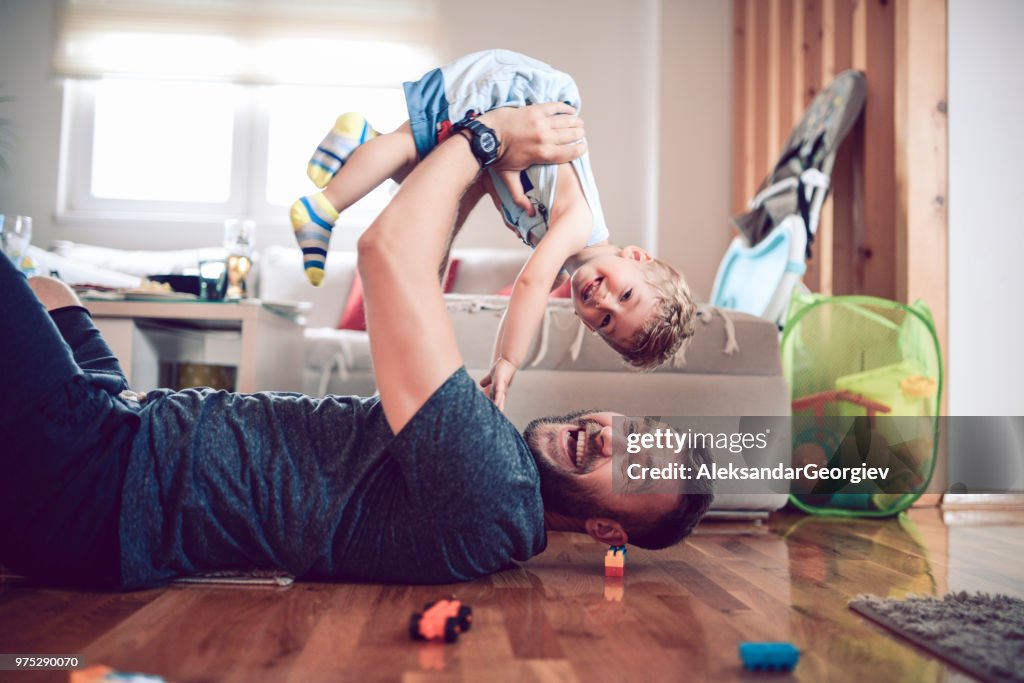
{"x": 980, "y": 633}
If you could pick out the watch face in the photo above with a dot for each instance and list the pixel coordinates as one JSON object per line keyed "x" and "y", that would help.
{"x": 487, "y": 143}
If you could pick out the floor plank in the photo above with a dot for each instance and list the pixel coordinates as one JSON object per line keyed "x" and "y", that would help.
{"x": 677, "y": 613}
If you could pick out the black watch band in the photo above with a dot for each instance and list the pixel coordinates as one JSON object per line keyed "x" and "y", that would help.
{"x": 482, "y": 140}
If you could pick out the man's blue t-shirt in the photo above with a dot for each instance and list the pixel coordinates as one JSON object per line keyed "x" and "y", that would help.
{"x": 322, "y": 489}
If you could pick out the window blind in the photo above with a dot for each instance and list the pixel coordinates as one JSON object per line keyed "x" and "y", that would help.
{"x": 264, "y": 42}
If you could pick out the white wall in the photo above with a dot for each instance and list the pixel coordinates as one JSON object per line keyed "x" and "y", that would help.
{"x": 26, "y": 40}
{"x": 609, "y": 47}
{"x": 986, "y": 207}
{"x": 619, "y": 52}
{"x": 696, "y": 138}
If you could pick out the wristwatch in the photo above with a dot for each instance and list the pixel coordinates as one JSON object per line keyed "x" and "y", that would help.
{"x": 482, "y": 140}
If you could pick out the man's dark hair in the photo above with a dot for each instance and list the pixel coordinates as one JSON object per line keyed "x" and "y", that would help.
{"x": 670, "y": 528}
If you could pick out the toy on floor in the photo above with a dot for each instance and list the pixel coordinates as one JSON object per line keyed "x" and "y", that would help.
{"x": 615, "y": 561}
{"x": 769, "y": 656}
{"x": 442, "y": 619}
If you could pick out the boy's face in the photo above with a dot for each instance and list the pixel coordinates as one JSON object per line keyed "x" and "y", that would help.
{"x": 612, "y": 296}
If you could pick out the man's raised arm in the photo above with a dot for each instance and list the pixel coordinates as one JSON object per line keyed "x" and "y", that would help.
{"x": 412, "y": 341}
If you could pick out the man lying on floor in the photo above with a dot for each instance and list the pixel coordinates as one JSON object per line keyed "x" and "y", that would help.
{"x": 427, "y": 483}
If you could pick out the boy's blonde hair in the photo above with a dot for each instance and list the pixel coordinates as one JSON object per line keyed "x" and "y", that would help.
{"x": 670, "y": 330}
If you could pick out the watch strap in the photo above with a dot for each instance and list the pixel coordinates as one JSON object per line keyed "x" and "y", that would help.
{"x": 483, "y": 142}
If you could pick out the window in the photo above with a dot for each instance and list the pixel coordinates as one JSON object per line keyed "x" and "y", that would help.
{"x": 146, "y": 133}
{"x": 192, "y": 151}
{"x": 180, "y": 112}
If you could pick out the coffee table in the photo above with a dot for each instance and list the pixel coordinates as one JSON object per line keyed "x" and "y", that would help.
{"x": 262, "y": 343}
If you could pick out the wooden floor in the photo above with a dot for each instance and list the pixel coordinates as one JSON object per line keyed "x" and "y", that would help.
{"x": 678, "y": 615}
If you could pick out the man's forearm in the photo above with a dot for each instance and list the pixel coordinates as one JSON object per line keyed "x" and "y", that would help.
{"x": 467, "y": 203}
{"x": 414, "y": 229}
{"x": 412, "y": 342}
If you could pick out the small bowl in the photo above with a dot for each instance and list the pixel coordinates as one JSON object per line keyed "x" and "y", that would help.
{"x": 186, "y": 284}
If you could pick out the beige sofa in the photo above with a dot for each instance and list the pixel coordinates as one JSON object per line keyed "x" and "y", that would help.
{"x": 338, "y": 361}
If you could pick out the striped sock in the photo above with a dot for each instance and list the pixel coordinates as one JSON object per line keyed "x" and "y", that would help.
{"x": 350, "y": 130}
{"x": 313, "y": 219}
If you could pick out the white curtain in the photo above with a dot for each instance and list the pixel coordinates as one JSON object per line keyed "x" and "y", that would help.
{"x": 309, "y": 42}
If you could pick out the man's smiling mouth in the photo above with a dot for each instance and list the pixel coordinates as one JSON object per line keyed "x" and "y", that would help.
{"x": 591, "y": 289}
{"x": 575, "y": 445}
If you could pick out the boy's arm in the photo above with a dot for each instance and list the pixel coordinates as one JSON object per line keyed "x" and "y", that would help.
{"x": 412, "y": 341}
{"x": 570, "y": 226}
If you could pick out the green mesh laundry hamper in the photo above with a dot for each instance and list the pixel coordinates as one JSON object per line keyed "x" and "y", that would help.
{"x": 865, "y": 378}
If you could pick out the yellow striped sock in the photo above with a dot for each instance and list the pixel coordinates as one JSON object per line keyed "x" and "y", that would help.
{"x": 350, "y": 130}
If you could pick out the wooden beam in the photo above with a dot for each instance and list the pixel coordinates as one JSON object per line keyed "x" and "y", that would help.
{"x": 844, "y": 252}
{"x": 784, "y": 50}
{"x": 739, "y": 104}
{"x": 811, "y": 43}
{"x": 771, "y": 141}
{"x": 744, "y": 53}
{"x": 797, "y": 61}
{"x": 819, "y": 271}
{"x": 763, "y": 159}
{"x": 874, "y": 54}
{"x": 811, "y": 51}
{"x": 922, "y": 254}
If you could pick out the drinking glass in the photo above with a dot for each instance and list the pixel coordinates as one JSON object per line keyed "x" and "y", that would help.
{"x": 212, "y": 279}
{"x": 15, "y": 236}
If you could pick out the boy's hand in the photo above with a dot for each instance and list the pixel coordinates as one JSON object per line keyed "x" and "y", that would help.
{"x": 497, "y": 381}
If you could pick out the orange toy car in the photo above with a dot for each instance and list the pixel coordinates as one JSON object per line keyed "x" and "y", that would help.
{"x": 442, "y": 619}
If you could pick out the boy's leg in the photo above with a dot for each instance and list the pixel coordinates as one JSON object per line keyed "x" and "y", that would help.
{"x": 371, "y": 163}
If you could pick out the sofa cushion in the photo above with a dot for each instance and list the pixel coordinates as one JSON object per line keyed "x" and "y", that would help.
{"x": 481, "y": 271}
{"x": 75, "y": 272}
{"x": 485, "y": 271}
{"x": 562, "y": 343}
{"x": 137, "y": 262}
{"x": 354, "y": 315}
{"x": 347, "y": 351}
{"x": 563, "y": 291}
{"x": 283, "y": 279}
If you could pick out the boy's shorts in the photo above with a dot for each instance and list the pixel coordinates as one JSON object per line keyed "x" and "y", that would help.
{"x": 482, "y": 81}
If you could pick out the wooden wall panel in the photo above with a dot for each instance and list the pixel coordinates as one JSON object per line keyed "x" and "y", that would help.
{"x": 742, "y": 116}
{"x": 922, "y": 254}
{"x": 817, "y": 43}
{"x": 764, "y": 153}
{"x": 839, "y": 211}
{"x": 784, "y": 50}
{"x": 888, "y": 186}
{"x": 874, "y": 22}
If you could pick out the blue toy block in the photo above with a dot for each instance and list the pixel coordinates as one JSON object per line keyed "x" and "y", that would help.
{"x": 769, "y": 656}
